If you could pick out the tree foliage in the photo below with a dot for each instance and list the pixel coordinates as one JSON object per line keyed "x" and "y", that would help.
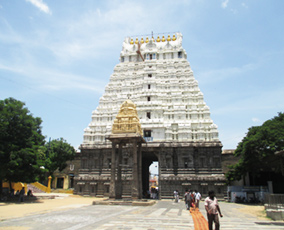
{"x": 21, "y": 142}
{"x": 58, "y": 152}
{"x": 258, "y": 147}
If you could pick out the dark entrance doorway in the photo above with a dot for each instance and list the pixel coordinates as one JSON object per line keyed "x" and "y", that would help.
{"x": 147, "y": 159}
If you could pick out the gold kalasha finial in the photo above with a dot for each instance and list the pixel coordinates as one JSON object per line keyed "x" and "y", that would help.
{"x": 131, "y": 42}
{"x": 147, "y": 40}
{"x": 158, "y": 39}
{"x": 174, "y": 38}
{"x": 142, "y": 41}
{"x": 136, "y": 42}
{"x": 169, "y": 38}
{"x": 163, "y": 39}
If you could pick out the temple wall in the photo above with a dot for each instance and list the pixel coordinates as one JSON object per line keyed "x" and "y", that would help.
{"x": 195, "y": 167}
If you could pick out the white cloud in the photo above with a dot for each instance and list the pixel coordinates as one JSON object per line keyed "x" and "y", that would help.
{"x": 256, "y": 120}
{"x": 41, "y": 5}
{"x": 211, "y": 76}
{"x": 225, "y": 4}
{"x": 53, "y": 80}
{"x": 81, "y": 40}
{"x": 254, "y": 103}
{"x": 234, "y": 11}
{"x": 244, "y": 5}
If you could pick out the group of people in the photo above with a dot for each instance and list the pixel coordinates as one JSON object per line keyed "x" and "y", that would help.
{"x": 192, "y": 199}
{"x": 21, "y": 193}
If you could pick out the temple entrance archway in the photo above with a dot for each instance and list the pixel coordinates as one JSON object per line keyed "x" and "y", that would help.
{"x": 147, "y": 159}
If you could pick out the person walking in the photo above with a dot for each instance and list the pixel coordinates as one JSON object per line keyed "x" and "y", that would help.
{"x": 212, "y": 210}
{"x": 197, "y": 198}
{"x": 187, "y": 199}
{"x": 22, "y": 193}
{"x": 176, "y": 195}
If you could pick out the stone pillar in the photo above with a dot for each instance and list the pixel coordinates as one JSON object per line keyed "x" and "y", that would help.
{"x": 139, "y": 171}
{"x": 49, "y": 185}
{"x": 135, "y": 179}
{"x": 119, "y": 182}
{"x": 112, "y": 186}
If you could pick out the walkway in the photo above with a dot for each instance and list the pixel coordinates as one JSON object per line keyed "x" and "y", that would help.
{"x": 79, "y": 213}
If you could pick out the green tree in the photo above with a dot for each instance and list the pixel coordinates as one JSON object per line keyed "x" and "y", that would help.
{"x": 257, "y": 149}
{"x": 58, "y": 152}
{"x": 21, "y": 143}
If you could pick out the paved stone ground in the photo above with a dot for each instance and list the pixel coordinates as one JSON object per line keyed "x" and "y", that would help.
{"x": 166, "y": 214}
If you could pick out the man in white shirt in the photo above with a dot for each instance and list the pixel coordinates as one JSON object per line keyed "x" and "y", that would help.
{"x": 197, "y": 198}
{"x": 212, "y": 209}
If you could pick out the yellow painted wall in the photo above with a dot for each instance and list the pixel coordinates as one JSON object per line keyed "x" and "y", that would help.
{"x": 15, "y": 186}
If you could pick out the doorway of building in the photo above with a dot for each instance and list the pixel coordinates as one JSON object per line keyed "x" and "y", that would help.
{"x": 149, "y": 158}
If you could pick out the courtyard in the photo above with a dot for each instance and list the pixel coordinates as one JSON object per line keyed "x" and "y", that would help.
{"x": 77, "y": 212}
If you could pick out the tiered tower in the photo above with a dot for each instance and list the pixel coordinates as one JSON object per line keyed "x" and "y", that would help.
{"x": 169, "y": 102}
{"x": 155, "y": 74}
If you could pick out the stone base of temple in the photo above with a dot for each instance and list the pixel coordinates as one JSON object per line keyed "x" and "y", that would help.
{"x": 182, "y": 166}
{"x": 142, "y": 202}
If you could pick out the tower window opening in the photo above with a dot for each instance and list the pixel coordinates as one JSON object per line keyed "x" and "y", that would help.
{"x": 147, "y": 133}
{"x": 125, "y": 161}
{"x": 149, "y": 98}
{"x": 151, "y": 56}
{"x": 149, "y": 86}
{"x": 122, "y": 59}
{"x": 109, "y": 163}
{"x": 179, "y": 54}
{"x": 149, "y": 75}
{"x": 148, "y": 115}
{"x": 186, "y": 163}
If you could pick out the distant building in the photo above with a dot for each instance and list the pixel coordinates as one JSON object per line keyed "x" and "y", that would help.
{"x": 65, "y": 178}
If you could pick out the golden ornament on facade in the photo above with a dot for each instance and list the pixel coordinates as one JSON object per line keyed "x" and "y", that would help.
{"x": 158, "y": 39}
{"x": 131, "y": 42}
{"x": 174, "y": 38}
{"x": 142, "y": 41}
{"x": 127, "y": 120}
{"x": 163, "y": 39}
{"x": 136, "y": 42}
{"x": 169, "y": 38}
{"x": 147, "y": 40}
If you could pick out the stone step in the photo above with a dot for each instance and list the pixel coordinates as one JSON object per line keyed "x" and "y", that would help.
{"x": 34, "y": 189}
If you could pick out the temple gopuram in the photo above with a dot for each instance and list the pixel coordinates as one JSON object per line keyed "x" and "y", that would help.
{"x": 151, "y": 110}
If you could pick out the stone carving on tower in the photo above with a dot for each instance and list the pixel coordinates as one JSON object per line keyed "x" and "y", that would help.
{"x": 127, "y": 120}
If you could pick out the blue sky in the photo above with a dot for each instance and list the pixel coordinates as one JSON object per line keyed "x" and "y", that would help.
{"x": 57, "y": 56}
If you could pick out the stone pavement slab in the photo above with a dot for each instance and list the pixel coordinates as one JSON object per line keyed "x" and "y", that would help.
{"x": 79, "y": 213}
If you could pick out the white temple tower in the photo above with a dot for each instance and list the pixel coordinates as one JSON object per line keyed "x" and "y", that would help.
{"x": 169, "y": 102}
{"x": 154, "y": 73}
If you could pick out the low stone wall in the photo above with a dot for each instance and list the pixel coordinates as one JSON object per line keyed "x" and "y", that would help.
{"x": 275, "y": 214}
{"x": 274, "y": 206}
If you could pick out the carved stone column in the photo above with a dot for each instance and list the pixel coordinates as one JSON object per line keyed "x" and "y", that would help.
{"x": 135, "y": 178}
{"x": 112, "y": 186}
{"x": 119, "y": 181}
{"x": 139, "y": 171}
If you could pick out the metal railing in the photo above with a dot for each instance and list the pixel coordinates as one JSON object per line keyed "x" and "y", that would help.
{"x": 274, "y": 201}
